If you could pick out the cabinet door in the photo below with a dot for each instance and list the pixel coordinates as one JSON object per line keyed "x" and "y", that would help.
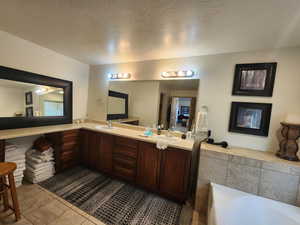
{"x": 84, "y": 147}
{"x": 105, "y": 157}
{"x": 93, "y": 146}
{"x": 174, "y": 174}
{"x": 148, "y": 166}
{"x": 89, "y": 147}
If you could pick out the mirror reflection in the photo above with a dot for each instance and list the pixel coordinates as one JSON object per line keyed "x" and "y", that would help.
{"x": 116, "y": 105}
{"x": 19, "y": 99}
{"x": 168, "y": 103}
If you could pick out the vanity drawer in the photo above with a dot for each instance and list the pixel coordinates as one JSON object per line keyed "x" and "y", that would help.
{"x": 127, "y": 142}
{"x": 125, "y": 161}
{"x": 125, "y": 150}
{"x": 70, "y": 136}
{"x": 69, "y": 146}
{"x": 71, "y": 133}
{"x": 70, "y": 155}
{"x": 123, "y": 172}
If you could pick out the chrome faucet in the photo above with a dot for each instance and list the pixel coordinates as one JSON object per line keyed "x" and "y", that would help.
{"x": 169, "y": 133}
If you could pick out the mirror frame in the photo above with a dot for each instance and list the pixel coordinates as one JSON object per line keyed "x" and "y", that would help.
{"x": 118, "y": 95}
{"x": 28, "y": 77}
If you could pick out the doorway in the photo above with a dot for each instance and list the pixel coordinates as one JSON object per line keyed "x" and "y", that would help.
{"x": 182, "y": 113}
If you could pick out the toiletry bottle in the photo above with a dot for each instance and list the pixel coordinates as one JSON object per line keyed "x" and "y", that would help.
{"x": 158, "y": 130}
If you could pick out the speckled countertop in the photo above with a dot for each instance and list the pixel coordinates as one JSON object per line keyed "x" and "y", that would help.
{"x": 118, "y": 131}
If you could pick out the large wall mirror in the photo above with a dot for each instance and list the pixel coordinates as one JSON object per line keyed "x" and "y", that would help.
{"x": 171, "y": 103}
{"x": 28, "y": 99}
{"x": 117, "y": 105}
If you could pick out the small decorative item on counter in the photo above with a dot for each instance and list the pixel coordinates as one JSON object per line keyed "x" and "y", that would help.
{"x": 290, "y": 132}
{"x": 183, "y": 136}
{"x": 189, "y": 135}
{"x": 158, "y": 130}
{"x": 148, "y": 132}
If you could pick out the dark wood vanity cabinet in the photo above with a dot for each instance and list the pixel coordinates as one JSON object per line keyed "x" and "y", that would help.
{"x": 174, "y": 173}
{"x": 105, "y": 154}
{"x": 125, "y": 154}
{"x": 148, "y": 167}
{"x": 162, "y": 171}
{"x": 66, "y": 149}
{"x": 96, "y": 150}
{"x": 89, "y": 148}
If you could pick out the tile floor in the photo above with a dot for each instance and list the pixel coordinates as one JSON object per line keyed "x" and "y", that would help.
{"x": 41, "y": 207}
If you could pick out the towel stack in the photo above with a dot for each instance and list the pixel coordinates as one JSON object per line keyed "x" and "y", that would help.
{"x": 39, "y": 165}
{"x": 16, "y": 154}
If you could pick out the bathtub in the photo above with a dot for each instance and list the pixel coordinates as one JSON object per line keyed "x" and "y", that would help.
{"x": 228, "y": 206}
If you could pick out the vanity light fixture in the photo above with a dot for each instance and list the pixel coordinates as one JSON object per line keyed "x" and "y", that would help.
{"x": 178, "y": 74}
{"x": 119, "y": 76}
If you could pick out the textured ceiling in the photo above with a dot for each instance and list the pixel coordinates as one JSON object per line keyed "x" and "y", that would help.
{"x": 110, "y": 31}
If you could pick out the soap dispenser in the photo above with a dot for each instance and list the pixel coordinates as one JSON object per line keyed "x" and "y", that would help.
{"x": 158, "y": 130}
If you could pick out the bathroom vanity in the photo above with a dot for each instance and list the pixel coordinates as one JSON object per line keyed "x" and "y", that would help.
{"x": 120, "y": 153}
{"x": 45, "y": 106}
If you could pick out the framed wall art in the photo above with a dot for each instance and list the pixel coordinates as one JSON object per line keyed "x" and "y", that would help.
{"x": 28, "y": 98}
{"x": 250, "y": 118}
{"x": 256, "y": 79}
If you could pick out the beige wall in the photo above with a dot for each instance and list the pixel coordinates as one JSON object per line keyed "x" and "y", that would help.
{"x": 183, "y": 93}
{"x": 216, "y": 78}
{"x": 12, "y": 100}
{"x": 24, "y": 55}
{"x": 216, "y": 87}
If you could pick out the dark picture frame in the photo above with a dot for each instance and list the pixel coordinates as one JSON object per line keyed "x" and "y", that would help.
{"x": 7, "y": 73}
{"x": 118, "y": 95}
{"x": 29, "y": 111}
{"x": 28, "y": 98}
{"x": 255, "y": 79}
{"x": 250, "y": 118}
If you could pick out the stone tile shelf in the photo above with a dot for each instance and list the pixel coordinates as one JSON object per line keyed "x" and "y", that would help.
{"x": 251, "y": 171}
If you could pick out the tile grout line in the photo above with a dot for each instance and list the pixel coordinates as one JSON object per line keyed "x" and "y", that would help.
{"x": 70, "y": 206}
{"x": 260, "y": 179}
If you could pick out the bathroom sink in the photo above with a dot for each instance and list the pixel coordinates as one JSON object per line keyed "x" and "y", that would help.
{"x": 103, "y": 127}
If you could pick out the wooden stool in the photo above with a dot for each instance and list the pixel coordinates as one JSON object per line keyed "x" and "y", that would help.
{"x": 7, "y": 169}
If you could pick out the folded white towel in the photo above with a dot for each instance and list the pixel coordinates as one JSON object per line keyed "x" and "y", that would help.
{"x": 162, "y": 144}
{"x": 10, "y": 146}
{"x": 40, "y": 165}
{"x": 38, "y": 153}
{"x": 39, "y": 171}
{"x": 29, "y": 176}
{"x": 38, "y": 157}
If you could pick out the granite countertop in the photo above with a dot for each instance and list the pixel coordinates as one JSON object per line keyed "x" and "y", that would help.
{"x": 118, "y": 131}
{"x": 264, "y": 156}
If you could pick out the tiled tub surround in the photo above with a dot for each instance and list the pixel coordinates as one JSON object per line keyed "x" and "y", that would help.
{"x": 259, "y": 173}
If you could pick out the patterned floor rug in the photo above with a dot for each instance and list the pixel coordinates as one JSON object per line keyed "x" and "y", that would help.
{"x": 111, "y": 201}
